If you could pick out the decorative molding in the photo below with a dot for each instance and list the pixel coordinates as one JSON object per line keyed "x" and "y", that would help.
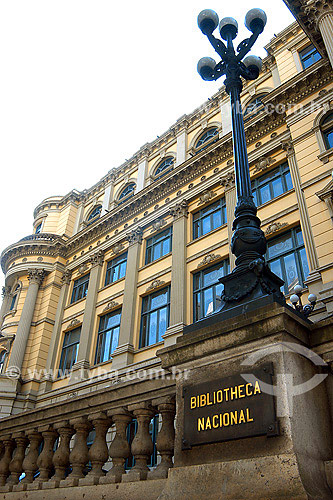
{"x": 5, "y": 291}
{"x": 208, "y": 259}
{"x": 117, "y": 248}
{"x": 135, "y": 236}
{"x": 275, "y": 226}
{"x": 288, "y": 147}
{"x": 36, "y": 276}
{"x": 326, "y": 195}
{"x": 110, "y": 305}
{"x": 179, "y": 210}
{"x": 75, "y": 322}
{"x": 206, "y": 196}
{"x": 82, "y": 269}
{"x": 97, "y": 258}
{"x": 263, "y": 164}
{"x": 66, "y": 277}
{"x": 155, "y": 284}
{"x": 228, "y": 181}
{"x": 156, "y": 225}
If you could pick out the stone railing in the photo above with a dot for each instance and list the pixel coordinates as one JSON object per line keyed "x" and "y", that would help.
{"x": 47, "y": 448}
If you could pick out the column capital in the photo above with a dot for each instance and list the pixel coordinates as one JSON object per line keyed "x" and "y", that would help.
{"x": 135, "y": 236}
{"x": 66, "y": 277}
{"x": 97, "y": 258}
{"x": 228, "y": 181}
{"x": 179, "y": 210}
{"x": 36, "y": 276}
{"x": 288, "y": 147}
{"x": 315, "y": 10}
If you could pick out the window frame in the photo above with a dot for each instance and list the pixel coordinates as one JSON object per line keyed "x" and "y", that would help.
{"x": 326, "y": 127}
{"x": 306, "y": 53}
{"x": 91, "y": 217}
{"x": 247, "y": 114}
{"x": 65, "y": 349}
{"x": 259, "y": 182}
{"x": 200, "y": 290}
{"x": 74, "y": 298}
{"x": 222, "y": 206}
{"x": 123, "y": 196}
{"x": 158, "y": 174}
{"x": 155, "y": 242}
{"x": 149, "y": 311}
{"x": 197, "y": 148}
{"x": 102, "y": 333}
{"x": 112, "y": 265}
{"x": 3, "y": 359}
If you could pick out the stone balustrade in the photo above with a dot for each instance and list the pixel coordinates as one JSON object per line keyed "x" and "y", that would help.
{"x": 41, "y": 454}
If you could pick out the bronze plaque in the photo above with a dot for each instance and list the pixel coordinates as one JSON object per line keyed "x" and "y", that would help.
{"x": 229, "y": 408}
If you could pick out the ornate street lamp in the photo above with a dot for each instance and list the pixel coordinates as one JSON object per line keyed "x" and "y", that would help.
{"x": 251, "y": 279}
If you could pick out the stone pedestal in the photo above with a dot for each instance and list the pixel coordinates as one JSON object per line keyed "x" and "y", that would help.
{"x": 289, "y": 465}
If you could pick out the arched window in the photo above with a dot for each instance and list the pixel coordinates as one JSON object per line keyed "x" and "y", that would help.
{"x": 38, "y": 228}
{"x": 164, "y": 166}
{"x": 326, "y": 127}
{"x": 14, "y": 297}
{"x": 254, "y": 106}
{"x": 95, "y": 213}
{"x": 206, "y": 139}
{"x": 2, "y": 360}
{"x": 127, "y": 192}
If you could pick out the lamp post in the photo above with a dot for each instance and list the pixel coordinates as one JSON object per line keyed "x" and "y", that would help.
{"x": 251, "y": 279}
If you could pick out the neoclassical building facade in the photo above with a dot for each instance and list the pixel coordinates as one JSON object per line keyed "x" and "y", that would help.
{"x": 113, "y": 274}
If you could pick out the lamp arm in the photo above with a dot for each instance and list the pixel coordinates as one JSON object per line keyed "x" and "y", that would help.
{"x": 219, "y": 70}
{"x": 247, "y": 73}
{"x": 246, "y": 45}
{"x": 218, "y": 45}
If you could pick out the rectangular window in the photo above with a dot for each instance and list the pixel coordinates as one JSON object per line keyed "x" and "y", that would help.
{"x": 267, "y": 187}
{"x": 80, "y": 288}
{"x": 207, "y": 289}
{"x": 209, "y": 218}
{"x": 108, "y": 336}
{"x": 309, "y": 56}
{"x": 69, "y": 351}
{"x": 154, "y": 317}
{"x": 116, "y": 269}
{"x": 159, "y": 245}
{"x": 287, "y": 259}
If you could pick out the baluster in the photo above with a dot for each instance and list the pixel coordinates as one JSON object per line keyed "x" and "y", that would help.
{"x": 16, "y": 464}
{"x": 29, "y": 464}
{"x": 44, "y": 461}
{"x": 61, "y": 455}
{"x": 9, "y": 445}
{"x": 119, "y": 449}
{"x": 165, "y": 439}
{"x": 142, "y": 445}
{"x": 98, "y": 453}
{"x": 78, "y": 457}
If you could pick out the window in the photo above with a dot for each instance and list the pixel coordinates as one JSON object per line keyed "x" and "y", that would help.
{"x": 80, "y": 288}
{"x": 96, "y": 212}
{"x": 14, "y": 298}
{"x": 127, "y": 192}
{"x": 131, "y": 431}
{"x": 209, "y": 218}
{"x": 254, "y": 106}
{"x": 69, "y": 351}
{"x": 309, "y": 56}
{"x": 108, "y": 336}
{"x": 327, "y": 130}
{"x": 287, "y": 258}
{"x": 207, "y": 289}
{"x": 159, "y": 245}
{"x": 2, "y": 360}
{"x": 164, "y": 167}
{"x": 38, "y": 228}
{"x": 154, "y": 317}
{"x": 269, "y": 186}
{"x": 207, "y": 138}
{"x": 116, "y": 269}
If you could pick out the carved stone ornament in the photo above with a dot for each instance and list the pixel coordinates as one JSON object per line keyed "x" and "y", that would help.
{"x": 155, "y": 284}
{"x": 275, "y": 226}
{"x": 316, "y": 9}
{"x": 228, "y": 181}
{"x": 110, "y": 305}
{"x": 66, "y": 277}
{"x": 5, "y": 291}
{"x": 157, "y": 225}
{"x": 206, "y": 196}
{"x": 288, "y": 147}
{"x": 208, "y": 259}
{"x": 117, "y": 248}
{"x": 179, "y": 210}
{"x": 135, "y": 236}
{"x": 82, "y": 269}
{"x": 97, "y": 258}
{"x": 263, "y": 164}
{"x": 36, "y": 276}
{"x": 74, "y": 323}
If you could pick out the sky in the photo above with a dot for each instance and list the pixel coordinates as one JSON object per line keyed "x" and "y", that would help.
{"x": 85, "y": 83}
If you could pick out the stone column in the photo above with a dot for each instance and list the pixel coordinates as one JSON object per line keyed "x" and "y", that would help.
{"x": 226, "y": 117}
{"x": 16, "y": 465}
{"x": 123, "y": 355}
{"x": 5, "y": 302}
{"x": 81, "y": 367}
{"x": 178, "y": 273}
{"x": 303, "y": 210}
{"x": 119, "y": 449}
{"x": 108, "y": 194}
{"x": 228, "y": 181}
{"x": 296, "y": 60}
{"x": 30, "y": 462}
{"x": 61, "y": 455}
{"x": 165, "y": 438}
{"x": 35, "y": 277}
{"x": 9, "y": 445}
{"x": 275, "y": 76}
{"x": 46, "y": 384}
{"x": 320, "y": 14}
{"x": 79, "y": 455}
{"x": 44, "y": 460}
{"x": 98, "y": 452}
{"x": 142, "y": 445}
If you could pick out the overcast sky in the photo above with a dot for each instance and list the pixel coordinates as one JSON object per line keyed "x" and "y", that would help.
{"x": 85, "y": 83}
